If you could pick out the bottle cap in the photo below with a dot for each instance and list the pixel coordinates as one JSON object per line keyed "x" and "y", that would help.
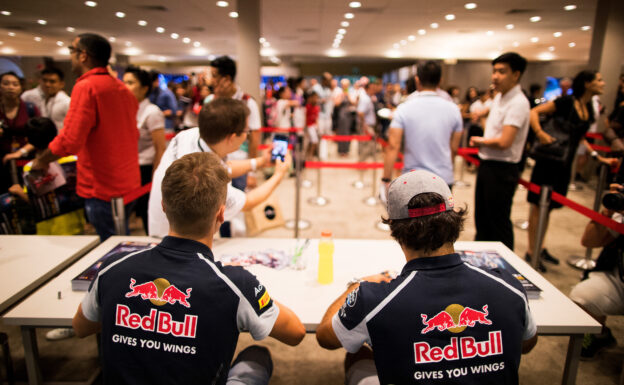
{"x": 326, "y": 233}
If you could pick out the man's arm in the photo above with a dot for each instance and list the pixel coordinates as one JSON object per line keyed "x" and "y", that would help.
{"x": 82, "y": 326}
{"x": 325, "y": 334}
{"x": 395, "y": 137}
{"x": 528, "y": 345}
{"x": 240, "y": 167}
{"x": 501, "y": 142}
{"x": 42, "y": 161}
{"x": 287, "y": 328}
{"x": 261, "y": 193}
{"x": 455, "y": 140}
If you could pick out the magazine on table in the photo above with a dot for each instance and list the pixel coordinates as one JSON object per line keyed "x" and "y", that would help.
{"x": 492, "y": 260}
{"x": 84, "y": 279}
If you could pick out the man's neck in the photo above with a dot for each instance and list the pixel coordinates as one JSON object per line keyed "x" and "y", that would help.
{"x": 415, "y": 254}
{"x": 219, "y": 149}
{"x": 503, "y": 93}
{"x": 206, "y": 240}
{"x": 430, "y": 89}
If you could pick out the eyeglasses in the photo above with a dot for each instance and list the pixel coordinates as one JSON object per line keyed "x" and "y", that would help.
{"x": 73, "y": 49}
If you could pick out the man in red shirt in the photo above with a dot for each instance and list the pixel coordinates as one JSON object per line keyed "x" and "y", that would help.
{"x": 100, "y": 127}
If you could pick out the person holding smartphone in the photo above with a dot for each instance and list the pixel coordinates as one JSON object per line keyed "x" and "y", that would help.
{"x": 222, "y": 129}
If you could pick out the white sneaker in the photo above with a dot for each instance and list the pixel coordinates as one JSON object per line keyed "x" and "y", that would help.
{"x": 60, "y": 334}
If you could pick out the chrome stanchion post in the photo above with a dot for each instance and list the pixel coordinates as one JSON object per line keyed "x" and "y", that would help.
{"x": 544, "y": 203}
{"x": 372, "y": 200}
{"x": 298, "y": 223}
{"x": 586, "y": 262}
{"x": 318, "y": 200}
{"x": 119, "y": 215}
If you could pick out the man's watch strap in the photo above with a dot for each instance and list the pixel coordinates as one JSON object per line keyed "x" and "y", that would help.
{"x": 353, "y": 281}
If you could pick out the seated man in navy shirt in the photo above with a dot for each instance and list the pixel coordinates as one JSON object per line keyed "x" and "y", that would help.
{"x": 171, "y": 314}
{"x": 441, "y": 320}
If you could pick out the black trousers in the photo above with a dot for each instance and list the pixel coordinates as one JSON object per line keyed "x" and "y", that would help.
{"x": 496, "y": 185}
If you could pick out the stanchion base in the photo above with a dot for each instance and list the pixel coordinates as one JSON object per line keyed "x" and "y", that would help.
{"x": 382, "y": 226}
{"x": 370, "y": 201}
{"x": 303, "y": 224}
{"x": 575, "y": 187}
{"x": 521, "y": 224}
{"x": 581, "y": 263}
{"x": 358, "y": 184}
{"x": 461, "y": 184}
{"x": 306, "y": 183}
{"x": 318, "y": 201}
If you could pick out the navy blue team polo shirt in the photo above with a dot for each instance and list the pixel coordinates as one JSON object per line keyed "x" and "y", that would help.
{"x": 441, "y": 321}
{"x": 171, "y": 314}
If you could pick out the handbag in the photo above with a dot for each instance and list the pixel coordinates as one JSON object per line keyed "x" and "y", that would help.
{"x": 558, "y": 151}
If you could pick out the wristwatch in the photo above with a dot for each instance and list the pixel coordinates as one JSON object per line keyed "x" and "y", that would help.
{"x": 353, "y": 281}
{"x": 594, "y": 154}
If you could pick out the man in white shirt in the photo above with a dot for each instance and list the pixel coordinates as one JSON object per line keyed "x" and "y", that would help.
{"x": 500, "y": 150}
{"x": 222, "y": 129}
{"x": 49, "y": 96}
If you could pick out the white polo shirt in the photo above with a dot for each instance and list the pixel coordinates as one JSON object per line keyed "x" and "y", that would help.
{"x": 511, "y": 109}
{"x": 186, "y": 142}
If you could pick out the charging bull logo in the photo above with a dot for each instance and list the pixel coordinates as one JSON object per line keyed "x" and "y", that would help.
{"x": 455, "y": 318}
{"x": 159, "y": 292}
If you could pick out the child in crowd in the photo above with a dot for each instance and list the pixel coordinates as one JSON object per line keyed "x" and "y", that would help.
{"x": 312, "y": 129}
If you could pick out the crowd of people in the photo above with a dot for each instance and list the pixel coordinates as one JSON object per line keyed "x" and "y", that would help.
{"x": 113, "y": 131}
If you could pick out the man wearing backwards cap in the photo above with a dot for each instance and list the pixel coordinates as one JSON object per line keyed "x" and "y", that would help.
{"x": 440, "y": 319}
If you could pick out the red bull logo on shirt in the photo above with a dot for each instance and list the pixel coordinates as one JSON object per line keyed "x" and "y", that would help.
{"x": 455, "y": 318}
{"x": 159, "y": 292}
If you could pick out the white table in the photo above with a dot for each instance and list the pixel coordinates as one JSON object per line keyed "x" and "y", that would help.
{"x": 554, "y": 313}
{"x": 27, "y": 261}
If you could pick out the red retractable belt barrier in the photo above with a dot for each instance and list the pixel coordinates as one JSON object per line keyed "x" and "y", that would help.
{"x": 275, "y": 129}
{"x": 136, "y": 194}
{"x": 347, "y": 138}
{"x": 169, "y": 135}
{"x": 384, "y": 144}
{"x": 359, "y": 166}
{"x": 594, "y": 135}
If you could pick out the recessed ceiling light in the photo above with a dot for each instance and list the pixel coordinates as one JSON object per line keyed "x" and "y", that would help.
{"x": 91, "y": 4}
{"x": 510, "y": 26}
{"x": 449, "y": 17}
{"x": 403, "y": 42}
{"x": 570, "y": 7}
{"x": 186, "y": 40}
{"x": 174, "y": 35}
{"x": 160, "y": 29}
{"x": 37, "y": 38}
{"x": 120, "y": 15}
{"x": 70, "y": 29}
{"x": 112, "y": 39}
{"x": 42, "y": 22}
{"x": 261, "y": 40}
{"x": 222, "y": 4}
{"x": 434, "y": 25}
{"x": 211, "y": 57}
{"x": 411, "y": 38}
{"x": 142, "y": 23}
{"x": 557, "y": 34}
{"x": 551, "y": 48}
{"x": 344, "y": 24}
{"x": 585, "y": 28}
{"x": 199, "y": 51}
{"x": 339, "y": 37}
{"x": 11, "y": 34}
{"x": 470, "y": 5}
{"x": 335, "y": 52}
{"x": 128, "y": 44}
{"x": 233, "y": 14}
{"x": 355, "y": 4}
{"x": 266, "y": 44}
{"x": 60, "y": 43}
{"x": 7, "y": 51}
{"x": 571, "y": 44}
{"x": 396, "y": 45}
{"x": 421, "y": 32}
{"x": 342, "y": 31}
{"x": 393, "y": 53}
{"x": 516, "y": 44}
{"x": 489, "y": 33}
{"x": 162, "y": 59}
{"x": 534, "y": 39}
{"x": 349, "y": 15}
{"x": 6, "y": 13}
{"x": 196, "y": 44}
{"x": 535, "y": 19}
{"x": 132, "y": 51}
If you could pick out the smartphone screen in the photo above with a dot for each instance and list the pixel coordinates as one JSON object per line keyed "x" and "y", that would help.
{"x": 280, "y": 146}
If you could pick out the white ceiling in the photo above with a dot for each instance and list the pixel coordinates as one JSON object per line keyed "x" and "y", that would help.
{"x": 306, "y": 29}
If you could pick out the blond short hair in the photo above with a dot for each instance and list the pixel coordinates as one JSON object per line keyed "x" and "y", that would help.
{"x": 193, "y": 189}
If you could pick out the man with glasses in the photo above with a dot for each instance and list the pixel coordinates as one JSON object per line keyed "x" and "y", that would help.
{"x": 100, "y": 127}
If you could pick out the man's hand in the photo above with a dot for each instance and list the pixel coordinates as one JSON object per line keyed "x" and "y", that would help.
{"x": 476, "y": 141}
{"x": 282, "y": 167}
{"x": 11, "y": 156}
{"x": 611, "y": 162}
{"x": 544, "y": 138}
{"x": 16, "y": 189}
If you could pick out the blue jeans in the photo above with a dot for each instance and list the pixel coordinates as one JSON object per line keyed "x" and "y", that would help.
{"x": 100, "y": 215}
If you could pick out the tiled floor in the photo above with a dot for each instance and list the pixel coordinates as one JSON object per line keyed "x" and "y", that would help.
{"x": 348, "y": 217}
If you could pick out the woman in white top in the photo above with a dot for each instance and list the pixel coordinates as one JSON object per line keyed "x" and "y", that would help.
{"x": 151, "y": 125}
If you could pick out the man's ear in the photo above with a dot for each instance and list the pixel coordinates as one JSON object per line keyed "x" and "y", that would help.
{"x": 221, "y": 214}
{"x": 162, "y": 204}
